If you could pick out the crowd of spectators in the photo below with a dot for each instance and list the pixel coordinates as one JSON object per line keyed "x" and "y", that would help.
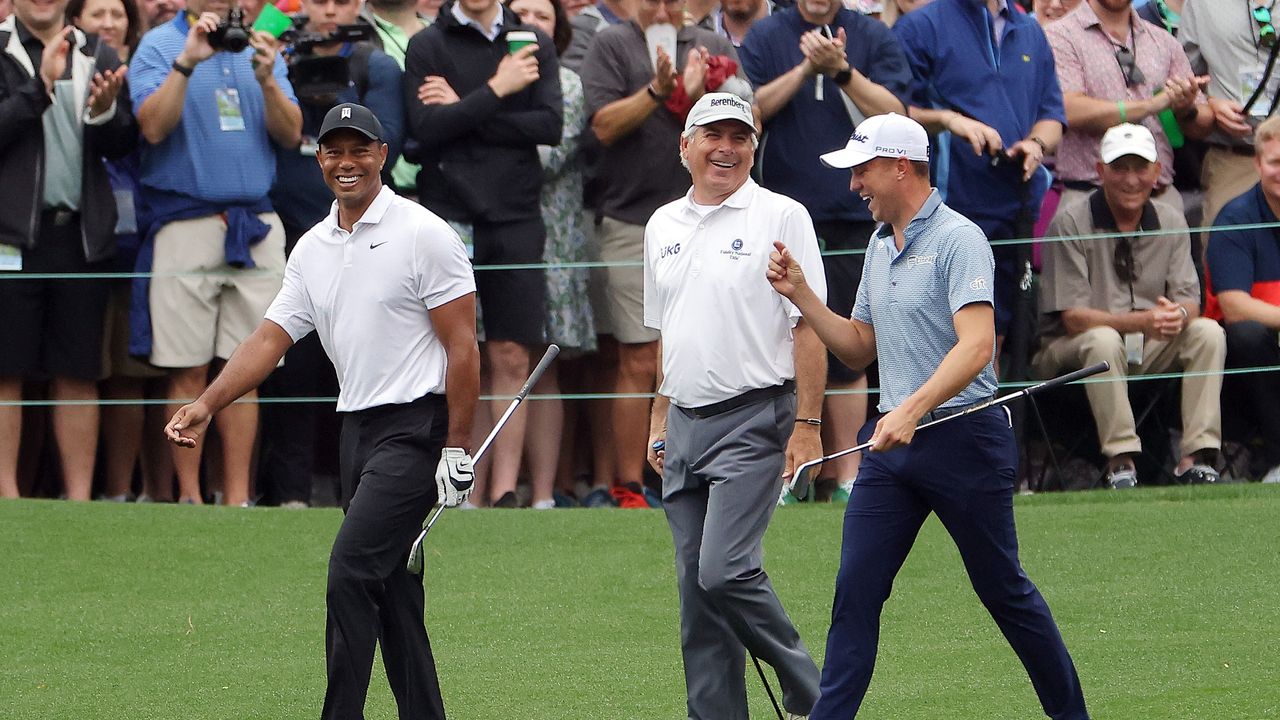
{"x": 141, "y": 144}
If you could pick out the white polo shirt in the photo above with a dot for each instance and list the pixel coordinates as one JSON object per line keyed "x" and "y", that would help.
{"x": 724, "y": 329}
{"x": 367, "y": 294}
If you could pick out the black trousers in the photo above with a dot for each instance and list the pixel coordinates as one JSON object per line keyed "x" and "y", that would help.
{"x": 387, "y": 455}
{"x": 1252, "y": 344}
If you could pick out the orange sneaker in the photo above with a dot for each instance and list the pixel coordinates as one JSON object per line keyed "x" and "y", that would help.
{"x": 629, "y": 497}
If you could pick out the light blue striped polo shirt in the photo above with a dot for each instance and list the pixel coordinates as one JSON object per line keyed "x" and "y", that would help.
{"x": 199, "y": 158}
{"x": 909, "y": 297}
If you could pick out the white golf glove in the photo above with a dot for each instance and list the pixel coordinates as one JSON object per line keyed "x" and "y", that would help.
{"x": 454, "y": 477}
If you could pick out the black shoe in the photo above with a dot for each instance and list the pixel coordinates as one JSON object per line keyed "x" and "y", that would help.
{"x": 507, "y": 501}
{"x": 1198, "y": 474}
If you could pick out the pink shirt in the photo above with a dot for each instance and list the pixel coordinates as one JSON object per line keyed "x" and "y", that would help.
{"x": 1085, "y": 57}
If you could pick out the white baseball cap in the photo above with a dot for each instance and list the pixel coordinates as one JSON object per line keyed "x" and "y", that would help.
{"x": 891, "y": 136}
{"x": 716, "y": 106}
{"x": 1128, "y": 139}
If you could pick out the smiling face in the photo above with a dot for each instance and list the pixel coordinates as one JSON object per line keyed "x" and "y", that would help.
{"x": 1127, "y": 183}
{"x": 874, "y": 182}
{"x": 108, "y": 20}
{"x": 351, "y": 163}
{"x": 1049, "y": 10}
{"x": 719, "y": 156}
{"x": 40, "y": 15}
{"x": 1267, "y": 161}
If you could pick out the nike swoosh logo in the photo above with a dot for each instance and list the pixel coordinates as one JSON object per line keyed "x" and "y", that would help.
{"x": 372, "y": 245}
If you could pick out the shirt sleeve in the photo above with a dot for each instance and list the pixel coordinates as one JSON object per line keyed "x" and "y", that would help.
{"x": 919, "y": 59}
{"x": 1064, "y": 279}
{"x": 799, "y": 237}
{"x": 970, "y": 269}
{"x": 1066, "y": 59}
{"x": 862, "y": 300}
{"x": 291, "y": 309}
{"x": 1229, "y": 257}
{"x": 652, "y": 303}
{"x": 757, "y": 56}
{"x": 889, "y": 67}
{"x": 147, "y": 70}
{"x": 1051, "y": 105}
{"x": 442, "y": 270}
{"x": 280, "y": 70}
{"x": 1189, "y": 36}
{"x": 602, "y": 78}
{"x": 1183, "y": 285}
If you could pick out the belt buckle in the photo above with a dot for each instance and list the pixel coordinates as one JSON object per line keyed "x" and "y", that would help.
{"x": 62, "y": 217}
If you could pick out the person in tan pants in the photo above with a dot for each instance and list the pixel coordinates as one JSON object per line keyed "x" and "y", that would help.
{"x": 1135, "y": 303}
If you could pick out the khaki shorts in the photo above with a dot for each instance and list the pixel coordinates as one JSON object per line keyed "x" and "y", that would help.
{"x": 207, "y": 308}
{"x": 618, "y": 292}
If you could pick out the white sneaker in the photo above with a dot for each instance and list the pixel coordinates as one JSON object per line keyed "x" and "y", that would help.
{"x": 793, "y": 716}
{"x": 1272, "y": 477}
{"x": 544, "y": 505}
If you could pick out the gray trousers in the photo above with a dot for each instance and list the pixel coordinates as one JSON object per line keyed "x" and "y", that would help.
{"x": 720, "y": 484}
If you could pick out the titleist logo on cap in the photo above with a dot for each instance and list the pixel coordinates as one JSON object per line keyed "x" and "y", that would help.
{"x": 858, "y": 138}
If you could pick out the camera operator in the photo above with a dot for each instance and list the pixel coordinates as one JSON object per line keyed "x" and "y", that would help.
{"x": 328, "y": 65}
{"x": 212, "y": 98}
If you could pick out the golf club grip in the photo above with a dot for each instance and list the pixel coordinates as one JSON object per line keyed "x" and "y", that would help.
{"x": 1070, "y": 377}
{"x": 552, "y": 351}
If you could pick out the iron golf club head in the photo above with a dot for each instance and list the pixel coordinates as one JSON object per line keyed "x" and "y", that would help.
{"x": 414, "y": 565}
{"x": 802, "y": 480}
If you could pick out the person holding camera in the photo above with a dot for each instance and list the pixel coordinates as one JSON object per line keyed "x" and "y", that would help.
{"x": 330, "y": 61}
{"x": 214, "y": 103}
{"x": 487, "y": 92}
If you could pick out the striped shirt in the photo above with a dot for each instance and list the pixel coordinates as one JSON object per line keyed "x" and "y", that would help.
{"x": 200, "y": 158}
{"x": 910, "y": 297}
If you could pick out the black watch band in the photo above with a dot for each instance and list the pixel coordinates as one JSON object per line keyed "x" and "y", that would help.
{"x": 182, "y": 69}
{"x": 654, "y": 94}
{"x": 843, "y": 77}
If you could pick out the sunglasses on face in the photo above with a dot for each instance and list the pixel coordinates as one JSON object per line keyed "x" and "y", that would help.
{"x": 1133, "y": 76}
{"x": 1125, "y": 266}
{"x": 1266, "y": 31}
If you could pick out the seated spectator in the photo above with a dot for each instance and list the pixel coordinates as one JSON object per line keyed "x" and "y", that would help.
{"x": 61, "y": 115}
{"x": 480, "y": 115}
{"x": 302, "y": 199}
{"x": 132, "y": 433}
{"x": 1133, "y": 302}
{"x": 212, "y": 119}
{"x": 1149, "y": 83}
{"x": 569, "y": 321}
{"x": 1244, "y": 279}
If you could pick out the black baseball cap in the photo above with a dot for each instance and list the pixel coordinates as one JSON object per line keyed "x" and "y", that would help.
{"x": 350, "y": 116}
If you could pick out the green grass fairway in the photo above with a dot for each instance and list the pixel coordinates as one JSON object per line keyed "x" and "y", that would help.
{"x": 1167, "y": 599}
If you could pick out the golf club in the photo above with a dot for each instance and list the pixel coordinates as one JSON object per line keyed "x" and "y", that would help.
{"x": 802, "y": 480}
{"x": 414, "y": 565}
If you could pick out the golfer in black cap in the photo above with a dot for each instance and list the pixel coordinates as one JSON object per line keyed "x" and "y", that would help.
{"x": 389, "y": 288}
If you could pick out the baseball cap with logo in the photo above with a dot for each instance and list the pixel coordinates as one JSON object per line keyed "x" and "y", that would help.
{"x": 1128, "y": 139}
{"x": 891, "y": 136}
{"x": 350, "y": 116}
{"x": 717, "y": 106}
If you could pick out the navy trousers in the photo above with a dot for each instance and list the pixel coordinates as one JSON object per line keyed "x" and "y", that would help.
{"x": 965, "y": 472}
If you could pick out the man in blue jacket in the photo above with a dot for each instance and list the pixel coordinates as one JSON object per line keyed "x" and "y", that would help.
{"x": 61, "y": 114}
{"x": 986, "y": 86}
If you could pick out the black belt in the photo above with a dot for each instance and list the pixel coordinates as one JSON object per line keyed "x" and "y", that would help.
{"x": 59, "y": 216}
{"x": 942, "y": 412}
{"x": 746, "y": 398}
{"x": 1245, "y": 150}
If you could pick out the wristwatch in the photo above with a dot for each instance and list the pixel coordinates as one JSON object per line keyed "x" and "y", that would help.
{"x": 843, "y": 77}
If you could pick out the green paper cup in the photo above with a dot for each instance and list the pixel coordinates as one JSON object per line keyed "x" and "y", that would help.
{"x": 517, "y": 39}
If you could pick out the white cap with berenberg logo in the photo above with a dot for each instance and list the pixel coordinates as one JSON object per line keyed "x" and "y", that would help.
{"x": 717, "y": 106}
{"x": 891, "y": 135}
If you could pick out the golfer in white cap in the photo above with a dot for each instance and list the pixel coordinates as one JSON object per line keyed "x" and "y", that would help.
{"x": 736, "y": 362}
{"x": 924, "y": 308}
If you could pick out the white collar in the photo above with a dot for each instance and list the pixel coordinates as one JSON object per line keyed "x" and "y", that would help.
{"x": 463, "y": 19}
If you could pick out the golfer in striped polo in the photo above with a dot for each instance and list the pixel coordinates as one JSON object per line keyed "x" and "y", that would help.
{"x": 735, "y": 362}
{"x": 924, "y": 308}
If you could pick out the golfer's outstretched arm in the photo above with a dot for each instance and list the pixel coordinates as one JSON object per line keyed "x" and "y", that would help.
{"x": 853, "y": 341}
{"x": 455, "y": 325}
{"x": 249, "y": 365}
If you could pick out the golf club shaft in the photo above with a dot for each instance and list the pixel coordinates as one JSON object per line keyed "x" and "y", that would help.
{"x": 1031, "y": 390}
{"x": 543, "y": 364}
